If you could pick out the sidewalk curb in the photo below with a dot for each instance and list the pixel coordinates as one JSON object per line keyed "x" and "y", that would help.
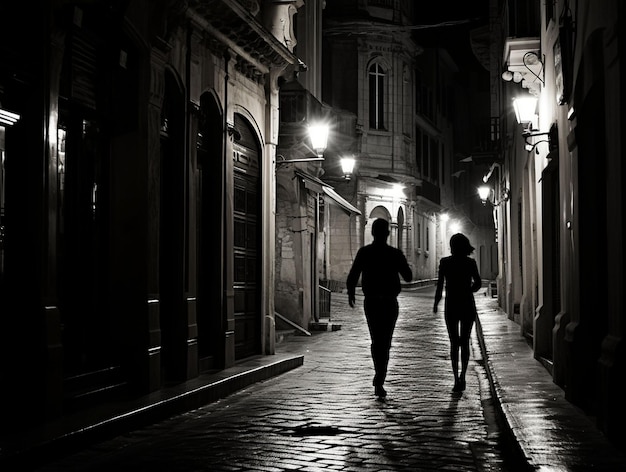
{"x": 56, "y": 440}
{"x": 512, "y": 439}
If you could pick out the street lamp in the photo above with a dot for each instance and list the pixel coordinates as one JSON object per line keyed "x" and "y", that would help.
{"x": 487, "y": 194}
{"x": 347, "y": 167}
{"x": 484, "y": 192}
{"x": 525, "y": 108}
{"x": 318, "y": 133}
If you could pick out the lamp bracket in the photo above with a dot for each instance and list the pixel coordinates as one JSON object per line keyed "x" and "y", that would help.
{"x": 233, "y": 132}
{"x": 293, "y": 161}
{"x": 542, "y": 71}
{"x": 553, "y": 140}
{"x": 527, "y": 135}
{"x": 505, "y": 196}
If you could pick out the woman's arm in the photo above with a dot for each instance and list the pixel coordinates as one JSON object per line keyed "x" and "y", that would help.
{"x": 439, "y": 290}
{"x": 476, "y": 280}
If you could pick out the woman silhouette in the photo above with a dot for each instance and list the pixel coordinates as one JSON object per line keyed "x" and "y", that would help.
{"x": 462, "y": 279}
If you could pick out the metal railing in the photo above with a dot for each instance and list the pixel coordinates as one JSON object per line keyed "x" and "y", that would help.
{"x": 324, "y": 302}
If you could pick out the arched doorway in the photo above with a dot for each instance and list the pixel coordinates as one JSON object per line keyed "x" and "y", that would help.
{"x": 98, "y": 111}
{"x": 246, "y": 239}
{"x": 172, "y": 233}
{"x": 210, "y": 211}
{"x": 377, "y": 212}
{"x": 82, "y": 242}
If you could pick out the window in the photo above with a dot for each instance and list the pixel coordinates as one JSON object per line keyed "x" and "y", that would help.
{"x": 418, "y": 150}
{"x": 424, "y": 101}
{"x": 443, "y": 164}
{"x": 428, "y": 154}
{"x": 434, "y": 160}
{"x": 419, "y": 235}
{"x": 425, "y": 156}
{"x": 377, "y": 96}
{"x": 407, "y": 101}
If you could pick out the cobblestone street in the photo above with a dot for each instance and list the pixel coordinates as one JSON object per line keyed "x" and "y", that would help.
{"x": 324, "y": 415}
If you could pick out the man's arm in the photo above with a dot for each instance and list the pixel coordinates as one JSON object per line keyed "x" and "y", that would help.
{"x": 405, "y": 270}
{"x": 353, "y": 278}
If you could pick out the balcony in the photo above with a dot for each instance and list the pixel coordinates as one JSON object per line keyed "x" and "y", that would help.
{"x": 523, "y": 63}
{"x": 521, "y": 21}
{"x": 428, "y": 191}
{"x": 486, "y": 142}
{"x": 298, "y": 109}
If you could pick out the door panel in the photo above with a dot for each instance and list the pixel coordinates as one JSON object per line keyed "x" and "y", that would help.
{"x": 246, "y": 247}
{"x": 246, "y": 283}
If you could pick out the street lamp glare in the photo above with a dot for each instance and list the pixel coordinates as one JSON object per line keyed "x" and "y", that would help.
{"x": 483, "y": 192}
{"x": 318, "y": 133}
{"x": 525, "y": 109}
{"x": 347, "y": 166}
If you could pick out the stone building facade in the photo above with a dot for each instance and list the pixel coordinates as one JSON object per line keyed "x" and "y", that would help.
{"x": 561, "y": 232}
{"x": 138, "y": 195}
{"x": 408, "y": 107}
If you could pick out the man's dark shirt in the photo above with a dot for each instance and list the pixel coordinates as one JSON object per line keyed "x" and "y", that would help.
{"x": 379, "y": 264}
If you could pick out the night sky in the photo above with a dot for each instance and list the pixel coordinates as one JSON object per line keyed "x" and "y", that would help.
{"x": 467, "y": 14}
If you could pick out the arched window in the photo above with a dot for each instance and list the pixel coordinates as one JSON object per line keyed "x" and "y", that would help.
{"x": 377, "y": 96}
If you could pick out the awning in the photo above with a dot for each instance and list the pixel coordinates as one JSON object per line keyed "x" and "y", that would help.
{"x": 339, "y": 200}
{"x": 319, "y": 186}
{"x": 310, "y": 182}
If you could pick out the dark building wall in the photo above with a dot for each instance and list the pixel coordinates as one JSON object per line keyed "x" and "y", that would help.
{"x": 114, "y": 213}
{"x": 340, "y": 57}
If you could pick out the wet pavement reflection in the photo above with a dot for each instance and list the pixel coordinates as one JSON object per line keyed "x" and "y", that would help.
{"x": 324, "y": 415}
{"x": 552, "y": 434}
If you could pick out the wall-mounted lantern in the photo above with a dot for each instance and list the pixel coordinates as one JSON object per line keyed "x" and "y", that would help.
{"x": 318, "y": 134}
{"x": 487, "y": 194}
{"x": 347, "y": 167}
{"x": 526, "y": 112}
{"x": 484, "y": 192}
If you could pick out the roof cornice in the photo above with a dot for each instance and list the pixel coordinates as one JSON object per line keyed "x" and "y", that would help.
{"x": 229, "y": 23}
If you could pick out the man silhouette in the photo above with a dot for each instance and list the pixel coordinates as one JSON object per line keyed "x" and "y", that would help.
{"x": 379, "y": 266}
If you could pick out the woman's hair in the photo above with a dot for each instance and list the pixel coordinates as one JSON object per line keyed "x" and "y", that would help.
{"x": 460, "y": 245}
